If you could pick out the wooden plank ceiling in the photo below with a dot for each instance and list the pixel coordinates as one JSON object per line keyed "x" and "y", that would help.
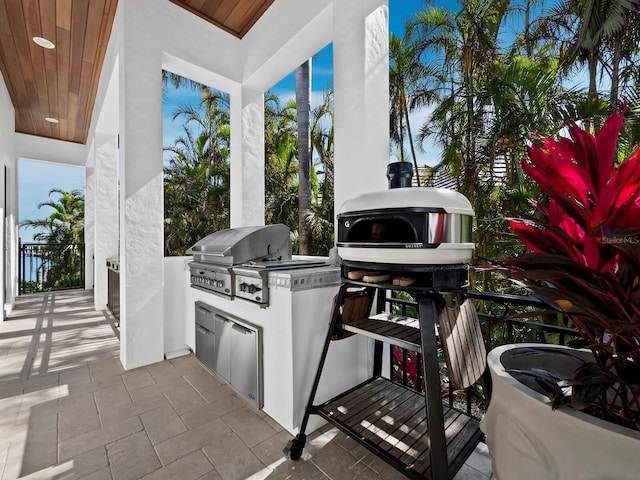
{"x": 61, "y": 83}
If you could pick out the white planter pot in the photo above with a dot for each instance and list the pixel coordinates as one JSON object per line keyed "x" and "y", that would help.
{"x": 529, "y": 440}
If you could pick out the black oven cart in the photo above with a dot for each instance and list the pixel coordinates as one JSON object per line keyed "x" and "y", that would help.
{"x": 425, "y": 438}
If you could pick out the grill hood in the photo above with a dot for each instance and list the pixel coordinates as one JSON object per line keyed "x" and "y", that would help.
{"x": 235, "y": 246}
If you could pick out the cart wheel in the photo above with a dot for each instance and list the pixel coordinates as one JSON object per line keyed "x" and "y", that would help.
{"x": 294, "y": 447}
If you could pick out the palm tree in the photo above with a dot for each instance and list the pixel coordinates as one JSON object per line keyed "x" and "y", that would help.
{"x": 320, "y": 217}
{"x": 466, "y": 44}
{"x": 282, "y": 172}
{"x": 303, "y": 112}
{"x": 281, "y": 186}
{"x": 525, "y": 96}
{"x": 196, "y": 180}
{"x": 322, "y": 137}
{"x": 408, "y": 77}
{"x": 595, "y": 33}
{"x": 65, "y": 225}
{"x": 59, "y": 261}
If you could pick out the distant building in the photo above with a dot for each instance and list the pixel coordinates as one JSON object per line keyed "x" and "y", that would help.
{"x": 439, "y": 176}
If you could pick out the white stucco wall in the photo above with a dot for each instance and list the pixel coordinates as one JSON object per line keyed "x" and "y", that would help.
{"x": 30, "y": 147}
{"x": 361, "y": 98}
{"x": 151, "y": 35}
{"x": 89, "y": 217}
{"x": 176, "y": 283}
{"x": 105, "y": 213}
{"x": 8, "y": 212}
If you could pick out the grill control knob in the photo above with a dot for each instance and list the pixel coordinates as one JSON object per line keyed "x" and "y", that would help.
{"x": 253, "y": 289}
{"x": 243, "y": 287}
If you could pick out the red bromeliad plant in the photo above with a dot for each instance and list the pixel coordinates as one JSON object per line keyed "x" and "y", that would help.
{"x": 585, "y": 258}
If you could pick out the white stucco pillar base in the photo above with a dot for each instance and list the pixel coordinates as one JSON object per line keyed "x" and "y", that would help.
{"x": 247, "y": 158}
{"x": 361, "y": 97}
{"x": 106, "y": 216}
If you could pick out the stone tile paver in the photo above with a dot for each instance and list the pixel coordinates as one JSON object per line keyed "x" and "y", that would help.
{"x": 269, "y": 451}
{"x": 39, "y": 452}
{"x": 335, "y": 462}
{"x": 162, "y": 423}
{"x": 72, "y": 423}
{"x": 202, "y": 381}
{"x": 112, "y": 397}
{"x": 132, "y": 457}
{"x": 231, "y": 457}
{"x": 137, "y": 378}
{"x": 190, "y": 441}
{"x": 208, "y": 412}
{"x": 189, "y": 467}
{"x": 88, "y": 441}
{"x": 251, "y": 429}
{"x": 184, "y": 399}
{"x": 133, "y": 409}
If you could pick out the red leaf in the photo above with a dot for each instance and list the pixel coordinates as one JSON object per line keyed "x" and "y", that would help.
{"x": 606, "y": 141}
{"x": 586, "y": 145}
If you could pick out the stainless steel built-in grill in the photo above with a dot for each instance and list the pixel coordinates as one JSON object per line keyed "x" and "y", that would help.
{"x": 235, "y": 262}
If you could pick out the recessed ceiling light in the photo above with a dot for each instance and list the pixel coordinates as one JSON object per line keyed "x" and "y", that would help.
{"x": 52, "y": 120}
{"x": 44, "y": 43}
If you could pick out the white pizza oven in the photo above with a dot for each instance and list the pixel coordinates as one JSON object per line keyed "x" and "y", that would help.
{"x": 406, "y": 226}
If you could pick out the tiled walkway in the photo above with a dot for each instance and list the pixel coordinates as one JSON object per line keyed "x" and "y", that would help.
{"x": 68, "y": 410}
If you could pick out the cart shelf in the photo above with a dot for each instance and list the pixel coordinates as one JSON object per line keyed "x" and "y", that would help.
{"x": 389, "y": 419}
{"x": 396, "y": 330}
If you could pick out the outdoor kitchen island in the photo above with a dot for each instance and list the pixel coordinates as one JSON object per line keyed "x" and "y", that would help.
{"x": 291, "y": 326}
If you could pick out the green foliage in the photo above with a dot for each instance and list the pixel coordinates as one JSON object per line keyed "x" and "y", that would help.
{"x": 281, "y": 175}
{"x": 196, "y": 180}
{"x": 65, "y": 224}
{"x": 490, "y": 96}
{"x": 62, "y": 233}
{"x": 30, "y": 286}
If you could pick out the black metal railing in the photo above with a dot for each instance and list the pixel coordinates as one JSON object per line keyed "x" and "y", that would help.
{"x": 50, "y": 266}
{"x": 503, "y": 318}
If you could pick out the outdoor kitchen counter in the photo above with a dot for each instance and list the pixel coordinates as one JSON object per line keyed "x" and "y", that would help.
{"x": 294, "y": 327}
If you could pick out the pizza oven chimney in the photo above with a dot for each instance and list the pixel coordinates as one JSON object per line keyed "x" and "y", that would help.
{"x": 400, "y": 174}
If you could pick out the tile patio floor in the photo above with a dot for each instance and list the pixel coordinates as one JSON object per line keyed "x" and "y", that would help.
{"x": 68, "y": 410}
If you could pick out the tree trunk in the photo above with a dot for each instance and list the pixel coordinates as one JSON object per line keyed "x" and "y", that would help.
{"x": 405, "y": 108}
{"x": 303, "y": 107}
{"x": 593, "y": 77}
{"x": 615, "y": 70}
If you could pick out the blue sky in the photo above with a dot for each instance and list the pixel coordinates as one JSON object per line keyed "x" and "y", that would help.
{"x": 37, "y": 179}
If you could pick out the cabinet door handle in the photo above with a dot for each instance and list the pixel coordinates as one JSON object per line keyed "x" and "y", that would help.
{"x": 242, "y": 329}
{"x": 203, "y": 330}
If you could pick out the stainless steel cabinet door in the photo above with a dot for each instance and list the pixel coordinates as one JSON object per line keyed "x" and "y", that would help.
{"x": 222, "y": 363}
{"x": 244, "y": 363}
{"x": 205, "y": 336}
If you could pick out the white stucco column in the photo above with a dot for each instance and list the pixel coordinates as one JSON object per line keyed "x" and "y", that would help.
{"x": 89, "y": 218}
{"x": 106, "y": 226}
{"x": 361, "y": 97}
{"x": 8, "y": 210}
{"x": 141, "y": 195}
{"x": 247, "y": 158}
{"x": 11, "y": 240}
